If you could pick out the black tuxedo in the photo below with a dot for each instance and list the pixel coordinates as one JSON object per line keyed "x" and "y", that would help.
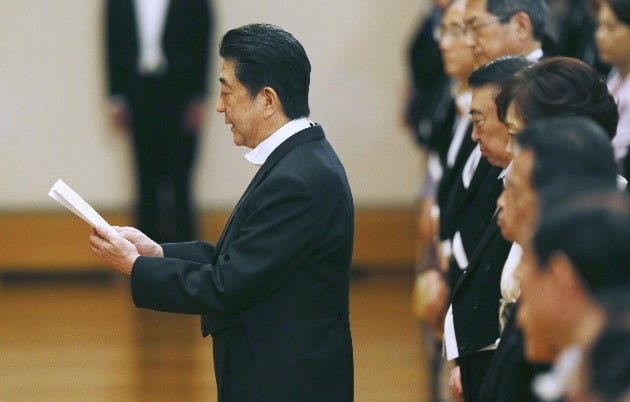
{"x": 470, "y": 210}
{"x": 430, "y": 109}
{"x": 450, "y": 186}
{"x": 477, "y": 294}
{"x": 509, "y": 377}
{"x": 164, "y": 147}
{"x": 274, "y": 290}
{"x": 475, "y": 300}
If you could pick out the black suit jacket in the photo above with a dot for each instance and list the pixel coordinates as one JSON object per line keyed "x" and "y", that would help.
{"x": 185, "y": 42}
{"x": 510, "y": 375}
{"x": 450, "y": 186}
{"x": 277, "y": 282}
{"x": 469, "y": 211}
{"x": 476, "y": 295}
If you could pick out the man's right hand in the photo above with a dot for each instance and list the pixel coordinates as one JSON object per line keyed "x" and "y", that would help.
{"x": 455, "y": 384}
{"x": 119, "y": 115}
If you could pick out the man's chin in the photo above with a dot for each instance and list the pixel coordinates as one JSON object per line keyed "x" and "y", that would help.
{"x": 507, "y": 235}
{"x": 481, "y": 61}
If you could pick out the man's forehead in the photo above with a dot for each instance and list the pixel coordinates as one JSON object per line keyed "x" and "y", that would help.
{"x": 483, "y": 97}
{"x": 475, "y": 9}
{"x": 227, "y": 77}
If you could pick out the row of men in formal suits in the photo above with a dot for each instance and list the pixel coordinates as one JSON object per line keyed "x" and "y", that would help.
{"x": 499, "y": 113}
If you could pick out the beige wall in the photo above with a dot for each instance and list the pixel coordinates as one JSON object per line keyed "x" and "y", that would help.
{"x": 52, "y": 120}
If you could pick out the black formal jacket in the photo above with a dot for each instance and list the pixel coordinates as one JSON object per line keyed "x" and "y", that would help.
{"x": 477, "y": 293}
{"x": 430, "y": 109}
{"x": 450, "y": 190}
{"x": 279, "y": 274}
{"x": 469, "y": 211}
{"x": 510, "y": 375}
{"x": 185, "y": 42}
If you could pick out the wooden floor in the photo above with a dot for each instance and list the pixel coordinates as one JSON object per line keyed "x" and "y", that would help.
{"x": 74, "y": 341}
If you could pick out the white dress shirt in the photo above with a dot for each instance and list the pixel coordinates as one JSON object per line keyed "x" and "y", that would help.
{"x": 259, "y": 155}
{"x": 150, "y": 18}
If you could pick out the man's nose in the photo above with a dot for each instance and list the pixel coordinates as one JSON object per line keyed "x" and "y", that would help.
{"x": 475, "y": 134}
{"x": 469, "y": 38}
{"x": 220, "y": 107}
{"x": 501, "y": 201}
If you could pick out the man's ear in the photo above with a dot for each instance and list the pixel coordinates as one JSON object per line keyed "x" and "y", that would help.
{"x": 565, "y": 278}
{"x": 271, "y": 100}
{"x": 523, "y": 25}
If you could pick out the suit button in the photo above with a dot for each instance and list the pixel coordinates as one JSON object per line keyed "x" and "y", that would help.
{"x": 488, "y": 267}
{"x": 463, "y": 347}
{"x": 476, "y": 306}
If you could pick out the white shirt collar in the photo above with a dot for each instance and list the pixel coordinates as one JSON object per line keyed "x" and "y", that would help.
{"x": 505, "y": 172}
{"x": 471, "y": 166}
{"x": 259, "y": 155}
{"x": 535, "y": 55}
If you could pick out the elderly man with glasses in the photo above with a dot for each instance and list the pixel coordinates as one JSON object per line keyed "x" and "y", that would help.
{"x": 498, "y": 28}
{"x": 493, "y": 29}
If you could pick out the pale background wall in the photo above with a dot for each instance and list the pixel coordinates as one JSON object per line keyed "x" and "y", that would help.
{"x": 53, "y": 125}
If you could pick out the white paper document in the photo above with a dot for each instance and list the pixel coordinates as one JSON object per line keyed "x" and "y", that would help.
{"x": 63, "y": 194}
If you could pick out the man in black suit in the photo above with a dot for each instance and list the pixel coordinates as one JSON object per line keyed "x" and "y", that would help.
{"x": 581, "y": 255}
{"x": 568, "y": 155}
{"x": 157, "y": 56}
{"x": 479, "y": 252}
{"x": 494, "y": 28}
{"x": 274, "y": 290}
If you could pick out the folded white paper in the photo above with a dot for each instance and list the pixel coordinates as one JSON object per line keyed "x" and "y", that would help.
{"x": 63, "y": 194}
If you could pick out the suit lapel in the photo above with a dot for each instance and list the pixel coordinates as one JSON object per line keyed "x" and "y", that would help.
{"x": 483, "y": 169}
{"x": 488, "y": 236}
{"x": 465, "y": 149}
{"x": 309, "y": 134}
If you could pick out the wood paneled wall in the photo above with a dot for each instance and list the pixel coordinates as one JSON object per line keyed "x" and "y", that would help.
{"x": 384, "y": 239}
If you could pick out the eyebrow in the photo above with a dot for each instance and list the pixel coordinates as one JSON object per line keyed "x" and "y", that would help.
{"x": 470, "y": 19}
{"x": 474, "y": 112}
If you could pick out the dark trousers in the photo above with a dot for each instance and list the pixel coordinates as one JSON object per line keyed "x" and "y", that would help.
{"x": 164, "y": 155}
{"x": 235, "y": 369}
{"x": 473, "y": 369}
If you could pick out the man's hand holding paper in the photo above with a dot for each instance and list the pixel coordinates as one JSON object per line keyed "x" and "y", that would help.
{"x": 116, "y": 246}
{"x": 113, "y": 249}
{"x": 120, "y": 246}
{"x": 142, "y": 242}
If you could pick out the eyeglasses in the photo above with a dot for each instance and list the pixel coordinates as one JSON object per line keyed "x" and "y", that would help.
{"x": 474, "y": 26}
{"x": 462, "y": 31}
{"x": 454, "y": 31}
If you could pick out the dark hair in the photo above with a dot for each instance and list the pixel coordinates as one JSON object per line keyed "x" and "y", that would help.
{"x": 498, "y": 71}
{"x": 559, "y": 86}
{"x": 535, "y": 9}
{"x": 608, "y": 363}
{"x": 592, "y": 230}
{"x": 266, "y": 55}
{"x": 621, "y": 9}
{"x": 571, "y": 154}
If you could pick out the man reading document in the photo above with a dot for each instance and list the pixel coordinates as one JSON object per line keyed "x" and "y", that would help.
{"x": 273, "y": 292}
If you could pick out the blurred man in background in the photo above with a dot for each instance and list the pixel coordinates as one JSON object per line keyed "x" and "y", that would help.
{"x": 157, "y": 56}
